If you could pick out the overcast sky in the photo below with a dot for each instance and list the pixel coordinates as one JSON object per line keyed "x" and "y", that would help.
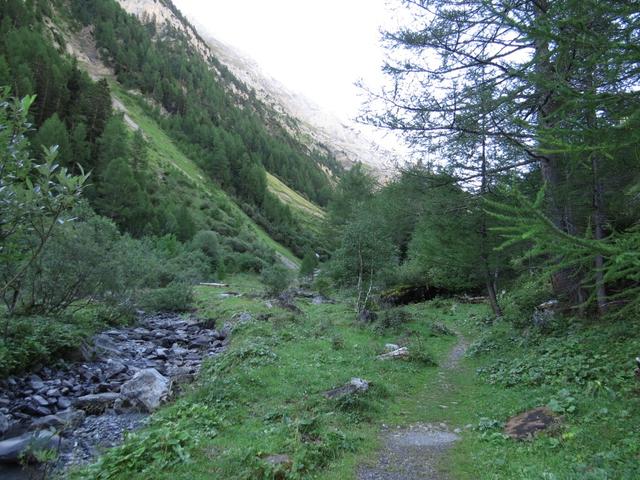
{"x": 316, "y": 47}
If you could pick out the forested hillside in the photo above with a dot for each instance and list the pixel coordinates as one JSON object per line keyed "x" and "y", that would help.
{"x": 210, "y": 126}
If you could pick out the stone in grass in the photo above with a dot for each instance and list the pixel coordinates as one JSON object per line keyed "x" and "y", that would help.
{"x": 356, "y": 385}
{"x": 402, "y": 352}
{"x": 390, "y": 347}
{"x": 525, "y": 425}
{"x": 280, "y": 464}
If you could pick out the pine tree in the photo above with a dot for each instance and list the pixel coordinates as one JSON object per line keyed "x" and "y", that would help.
{"x": 53, "y": 133}
{"x": 545, "y": 66}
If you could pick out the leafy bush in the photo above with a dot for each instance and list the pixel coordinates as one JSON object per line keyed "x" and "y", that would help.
{"x": 528, "y": 292}
{"x": 276, "y": 278}
{"x": 145, "y": 452}
{"x": 30, "y": 341}
{"x": 85, "y": 259}
{"x": 245, "y": 262}
{"x": 419, "y": 353}
{"x": 393, "y": 319}
{"x": 438, "y": 329}
{"x": 175, "y": 297}
{"x": 206, "y": 241}
{"x": 323, "y": 286}
{"x": 589, "y": 359}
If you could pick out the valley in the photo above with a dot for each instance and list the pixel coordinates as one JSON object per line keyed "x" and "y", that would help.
{"x": 203, "y": 274}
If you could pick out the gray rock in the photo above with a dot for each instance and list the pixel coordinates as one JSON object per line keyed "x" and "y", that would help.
{"x": 5, "y": 424}
{"x": 356, "y": 385}
{"x": 50, "y": 421}
{"x": 390, "y": 347}
{"x": 201, "y": 341}
{"x": 320, "y": 300}
{"x": 43, "y": 402}
{"x": 96, "y": 402}
{"x": 68, "y": 419}
{"x": 113, "y": 368}
{"x": 245, "y": 317}
{"x": 36, "y": 410}
{"x": 13, "y": 449}
{"x": 35, "y": 382}
{"x": 178, "y": 351}
{"x": 394, "y": 354}
{"x": 53, "y": 392}
{"x": 402, "y": 352}
{"x": 161, "y": 353}
{"x": 281, "y": 463}
{"x": 147, "y": 389}
{"x": 105, "y": 345}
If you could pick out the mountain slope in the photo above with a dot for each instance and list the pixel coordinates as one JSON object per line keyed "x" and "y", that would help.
{"x": 303, "y": 118}
{"x": 210, "y": 116}
{"x": 311, "y": 126}
{"x": 206, "y": 197}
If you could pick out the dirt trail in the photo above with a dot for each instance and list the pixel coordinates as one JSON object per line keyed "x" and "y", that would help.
{"x": 414, "y": 452}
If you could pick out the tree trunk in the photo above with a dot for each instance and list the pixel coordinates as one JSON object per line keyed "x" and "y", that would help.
{"x": 566, "y": 283}
{"x": 598, "y": 233}
{"x": 484, "y": 181}
{"x": 493, "y": 297}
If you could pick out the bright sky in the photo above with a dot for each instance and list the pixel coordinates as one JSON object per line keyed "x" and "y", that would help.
{"x": 316, "y": 47}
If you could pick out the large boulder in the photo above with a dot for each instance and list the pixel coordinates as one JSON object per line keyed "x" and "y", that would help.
{"x": 147, "y": 389}
{"x": 13, "y": 450}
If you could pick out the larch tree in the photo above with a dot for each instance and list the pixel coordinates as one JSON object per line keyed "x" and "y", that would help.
{"x": 531, "y": 78}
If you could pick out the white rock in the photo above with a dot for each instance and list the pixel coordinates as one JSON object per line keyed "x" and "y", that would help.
{"x": 398, "y": 353}
{"x": 146, "y": 389}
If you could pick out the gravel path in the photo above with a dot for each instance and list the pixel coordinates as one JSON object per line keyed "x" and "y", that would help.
{"x": 414, "y": 452}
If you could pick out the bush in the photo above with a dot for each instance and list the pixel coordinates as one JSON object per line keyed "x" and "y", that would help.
{"x": 528, "y": 292}
{"x": 276, "y": 278}
{"x": 247, "y": 262}
{"x": 36, "y": 340}
{"x": 175, "y": 297}
{"x": 206, "y": 242}
{"x": 419, "y": 354}
{"x": 393, "y": 319}
{"x": 87, "y": 258}
{"x": 322, "y": 286}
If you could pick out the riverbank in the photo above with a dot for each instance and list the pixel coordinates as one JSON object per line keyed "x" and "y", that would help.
{"x": 301, "y": 392}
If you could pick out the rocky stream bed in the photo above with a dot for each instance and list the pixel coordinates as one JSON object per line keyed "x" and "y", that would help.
{"x": 86, "y": 405}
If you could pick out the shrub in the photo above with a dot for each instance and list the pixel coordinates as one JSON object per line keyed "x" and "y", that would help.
{"x": 276, "y": 278}
{"x": 175, "y": 297}
{"x": 206, "y": 241}
{"x": 528, "y": 292}
{"x": 419, "y": 354}
{"x": 247, "y": 262}
{"x": 393, "y": 319}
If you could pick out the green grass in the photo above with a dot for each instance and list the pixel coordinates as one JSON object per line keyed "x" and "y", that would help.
{"x": 264, "y": 396}
{"x": 310, "y": 214}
